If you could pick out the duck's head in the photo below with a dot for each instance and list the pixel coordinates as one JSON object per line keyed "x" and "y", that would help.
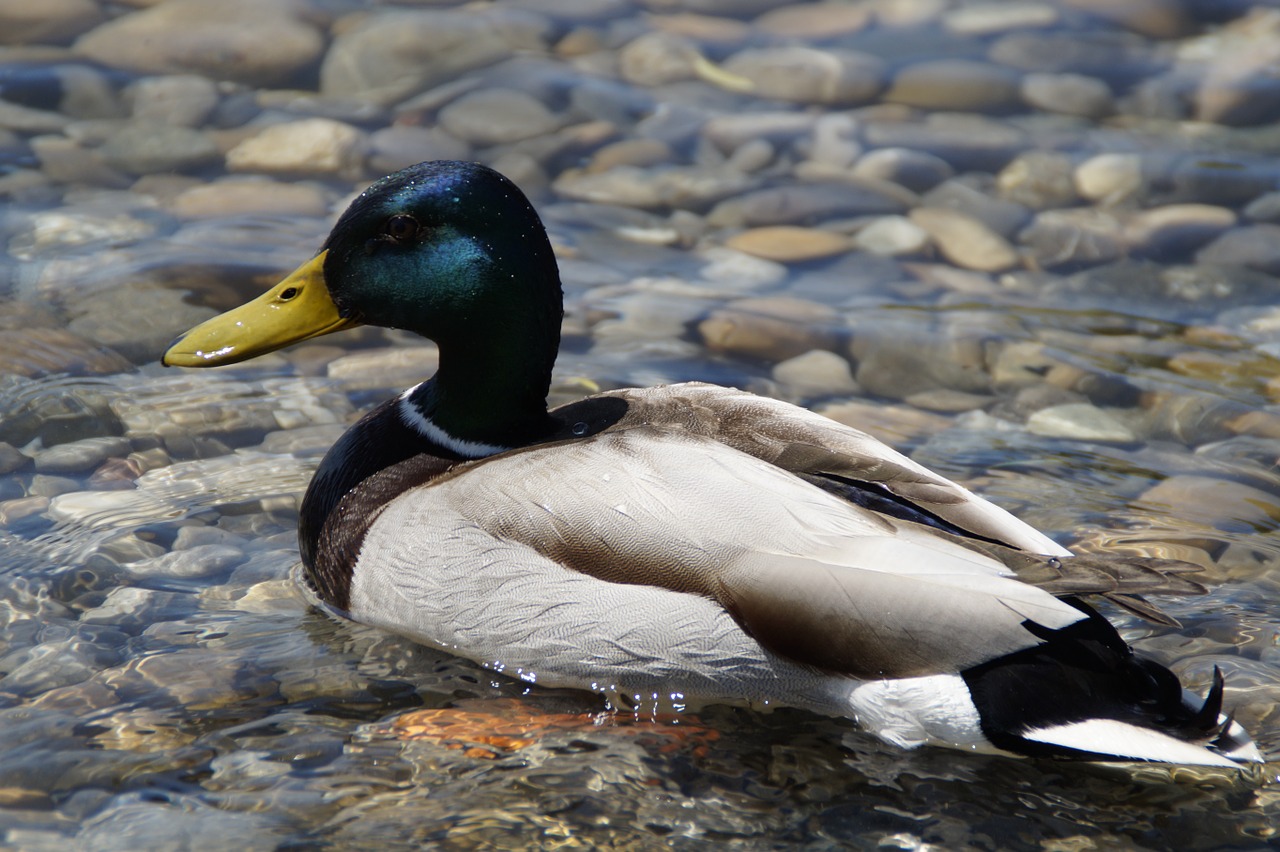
{"x": 450, "y": 250}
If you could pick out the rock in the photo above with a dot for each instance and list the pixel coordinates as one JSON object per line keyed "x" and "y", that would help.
{"x": 899, "y": 359}
{"x": 964, "y": 240}
{"x": 65, "y": 161}
{"x": 1000, "y": 215}
{"x": 1153, "y": 18}
{"x": 182, "y": 100}
{"x": 35, "y": 352}
{"x": 109, "y": 317}
{"x": 314, "y": 146}
{"x": 145, "y": 148}
{"x": 1111, "y": 178}
{"x": 966, "y": 142}
{"x": 1253, "y": 246}
{"x": 770, "y": 328}
{"x": 389, "y": 55}
{"x": 805, "y": 204}
{"x": 249, "y": 196}
{"x": 1039, "y": 180}
{"x": 210, "y": 39}
{"x": 11, "y": 459}
{"x": 1079, "y": 422}
{"x": 400, "y": 146}
{"x": 1075, "y": 237}
{"x": 1218, "y": 503}
{"x": 835, "y": 141}
{"x": 656, "y": 187}
{"x": 892, "y": 236}
{"x": 24, "y": 119}
{"x": 730, "y": 269}
{"x": 984, "y": 19}
{"x": 815, "y": 373}
{"x": 57, "y": 230}
{"x": 630, "y": 152}
{"x": 497, "y": 116}
{"x": 1264, "y": 208}
{"x": 915, "y": 170}
{"x": 809, "y": 75}
{"x": 46, "y": 22}
{"x": 658, "y": 58}
{"x": 80, "y": 456}
{"x": 956, "y": 84}
{"x": 821, "y": 20}
{"x": 1068, "y": 94}
{"x": 789, "y": 244}
{"x": 202, "y": 560}
{"x": 730, "y": 132}
{"x": 1176, "y": 230}
{"x": 1240, "y": 86}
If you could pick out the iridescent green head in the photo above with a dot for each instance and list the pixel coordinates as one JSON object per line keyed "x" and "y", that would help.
{"x": 450, "y": 250}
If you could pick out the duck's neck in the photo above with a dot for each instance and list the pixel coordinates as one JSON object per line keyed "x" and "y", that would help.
{"x": 480, "y": 402}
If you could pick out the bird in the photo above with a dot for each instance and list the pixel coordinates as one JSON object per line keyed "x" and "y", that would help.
{"x": 685, "y": 544}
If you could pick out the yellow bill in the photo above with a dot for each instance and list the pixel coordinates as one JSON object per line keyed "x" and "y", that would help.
{"x": 298, "y": 308}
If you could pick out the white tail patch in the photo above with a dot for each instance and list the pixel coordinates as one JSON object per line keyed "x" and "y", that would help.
{"x": 1125, "y": 741}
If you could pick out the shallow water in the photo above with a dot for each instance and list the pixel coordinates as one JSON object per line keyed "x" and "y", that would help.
{"x": 1092, "y": 344}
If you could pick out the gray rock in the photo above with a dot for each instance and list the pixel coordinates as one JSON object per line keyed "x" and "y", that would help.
{"x": 1253, "y": 246}
{"x": 11, "y": 459}
{"x": 393, "y": 54}
{"x": 108, "y": 317}
{"x": 314, "y": 146}
{"x": 1079, "y": 422}
{"x": 808, "y": 75}
{"x": 182, "y": 100}
{"x": 985, "y": 19}
{"x": 1111, "y": 178}
{"x": 815, "y": 373}
{"x": 80, "y": 456}
{"x": 956, "y": 84}
{"x": 46, "y": 485}
{"x": 1039, "y": 180}
{"x": 658, "y": 58}
{"x": 1230, "y": 180}
{"x": 145, "y": 148}
{"x": 805, "y": 204}
{"x": 1176, "y": 230}
{"x": 25, "y": 119}
{"x": 209, "y": 39}
{"x": 966, "y": 142}
{"x": 965, "y": 240}
{"x": 46, "y": 22}
{"x": 399, "y": 146}
{"x": 892, "y": 236}
{"x": 656, "y": 187}
{"x": 916, "y": 170}
{"x": 1069, "y": 94}
{"x": 1072, "y": 238}
{"x": 201, "y": 560}
{"x": 898, "y": 359}
{"x": 835, "y": 141}
{"x": 497, "y": 116}
{"x": 729, "y": 132}
{"x": 1264, "y": 208}
{"x": 65, "y": 161}
{"x": 1240, "y": 86}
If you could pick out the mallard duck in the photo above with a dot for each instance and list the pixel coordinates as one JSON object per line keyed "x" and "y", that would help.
{"x": 685, "y": 544}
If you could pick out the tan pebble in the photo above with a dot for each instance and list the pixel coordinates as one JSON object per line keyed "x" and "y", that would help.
{"x": 1204, "y": 365}
{"x": 814, "y": 20}
{"x": 789, "y": 244}
{"x": 1260, "y": 424}
{"x": 1213, "y": 501}
{"x": 774, "y": 328}
{"x": 706, "y": 28}
{"x": 317, "y": 146}
{"x": 629, "y": 152}
{"x": 249, "y": 197}
{"x": 817, "y": 372}
{"x": 965, "y": 241}
{"x": 1109, "y": 177}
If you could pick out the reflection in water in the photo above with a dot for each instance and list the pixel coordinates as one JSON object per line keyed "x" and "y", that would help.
{"x": 1034, "y": 245}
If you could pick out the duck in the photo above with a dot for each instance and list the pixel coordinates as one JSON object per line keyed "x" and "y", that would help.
{"x": 688, "y": 544}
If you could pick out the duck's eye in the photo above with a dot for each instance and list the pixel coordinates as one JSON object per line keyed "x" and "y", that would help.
{"x": 288, "y": 293}
{"x": 401, "y": 228}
